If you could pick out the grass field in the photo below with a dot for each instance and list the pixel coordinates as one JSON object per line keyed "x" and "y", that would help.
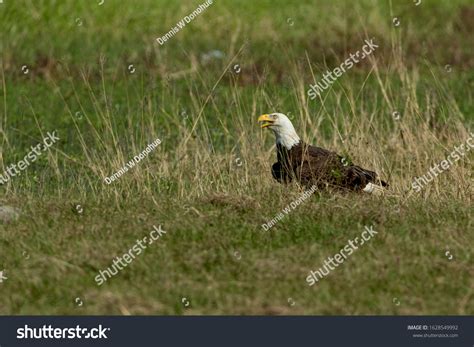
{"x": 94, "y": 73}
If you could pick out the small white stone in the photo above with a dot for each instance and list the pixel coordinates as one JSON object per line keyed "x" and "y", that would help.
{"x": 8, "y": 213}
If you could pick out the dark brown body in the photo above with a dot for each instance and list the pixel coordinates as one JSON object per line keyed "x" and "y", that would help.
{"x": 311, "y": 165}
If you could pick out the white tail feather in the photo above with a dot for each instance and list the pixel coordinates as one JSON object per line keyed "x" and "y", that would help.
{"x": 373, "y": 189}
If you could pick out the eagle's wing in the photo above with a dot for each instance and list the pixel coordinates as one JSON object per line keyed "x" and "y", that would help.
{"x": 322, "y": 167}
{"x": 315, "y": 165}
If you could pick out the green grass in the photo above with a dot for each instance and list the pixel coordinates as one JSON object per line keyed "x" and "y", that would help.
{"x": 215, "y": 253}
{"x": 197, "y": 259}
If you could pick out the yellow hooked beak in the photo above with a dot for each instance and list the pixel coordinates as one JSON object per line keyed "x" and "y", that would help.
{"x": 266, "y": 120}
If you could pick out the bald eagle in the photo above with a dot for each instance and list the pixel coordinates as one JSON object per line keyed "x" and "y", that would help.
{"x": 310, "y": 165}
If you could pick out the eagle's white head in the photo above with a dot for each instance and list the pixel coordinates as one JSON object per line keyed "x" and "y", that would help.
{"x": 282, "y": 128}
